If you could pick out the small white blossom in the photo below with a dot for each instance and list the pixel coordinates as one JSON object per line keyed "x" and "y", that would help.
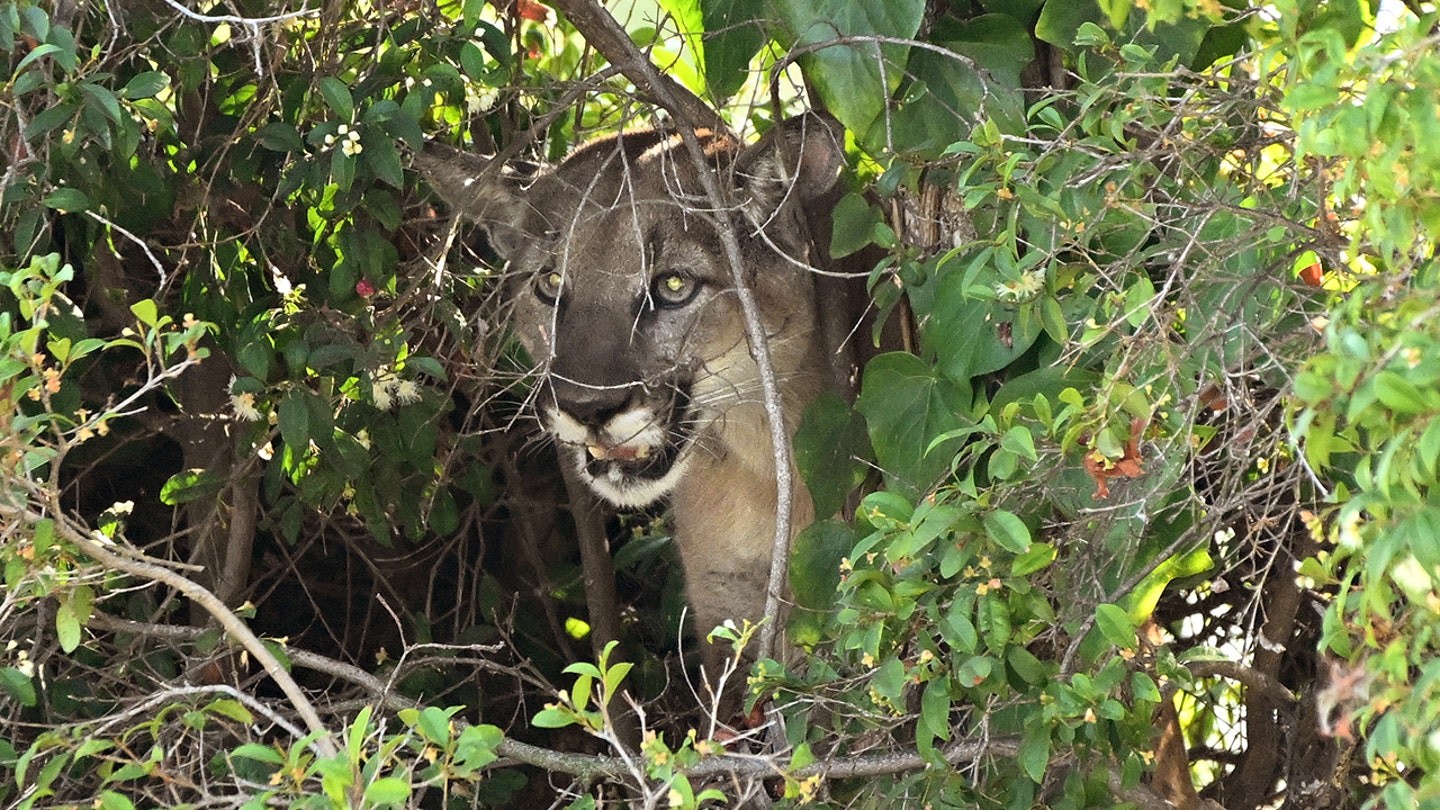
{"x": 244, "y": 406}
{"x": 407, "y": 391}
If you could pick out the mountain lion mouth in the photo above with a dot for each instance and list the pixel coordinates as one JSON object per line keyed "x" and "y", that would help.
{"x": 621, "y": 464}
{"x": 635, "y": 457}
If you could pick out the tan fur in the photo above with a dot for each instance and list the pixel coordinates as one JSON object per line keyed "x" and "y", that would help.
{"x": 652, "y": 397}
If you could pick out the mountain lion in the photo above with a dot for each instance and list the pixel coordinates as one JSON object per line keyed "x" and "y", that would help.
{"x": 623, "y": 293}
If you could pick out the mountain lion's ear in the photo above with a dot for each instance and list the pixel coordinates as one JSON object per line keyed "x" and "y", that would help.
{"x": 473, "y": 187}
{"x": 795, "y": 164}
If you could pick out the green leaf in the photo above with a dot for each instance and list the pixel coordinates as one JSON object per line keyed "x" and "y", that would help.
{"x": 906, "y": 405}
{"x": 47, "y": 120}
{"x": 279, "y": 136}
{"x": 958, "y": 628}
{"x": 1038, "y": 557}
{"x": 67, "y": 625}
{"x": 383, "y": 158}
{"x": 18, "y": 686}
{"x": 110, "y": 800}
{"x": 1399, "y": 394}
{"x": 294, "y": 417}
{"x": 1019, "y": 441}
{"x": 145, "y": 85}
{"x": 67, "y": 200}
{"x": 854, "y": 222}
{"x": 232, "y": 709}
{"x": 733, "y": 35}
{"x": 260, "y": 753}
{"x": 146, "y": 311}
{"x": 104, "y": 100}
{"x": 553, "y": 718}
{"x": 190, "y": 485}
{"x": 475, "y": 747}
{"x": 815, "y": 576}
{"x": 974, "y": 336}
{"x": 848, "y": 77}
{"x": 1115, "y": 625}
{"x": 945, "y": 97}
{"x": 338, "y": 98}
{"x": 830, "y": 447}
{"x": 342, "y": 169}
{"x": 1008, "y": 531}
{"x": 35, "y": 54}
{"x": 433, "y": 723}
{"x": 472, "y": 61}
{"x": 1030, "y": 668}
{"x": 934, "y": 720}
{"x": 387, "y": 790}
{"x": 1034, "y": 753}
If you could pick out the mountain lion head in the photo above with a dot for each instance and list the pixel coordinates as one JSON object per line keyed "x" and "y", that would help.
{"x": 623, "y": 293}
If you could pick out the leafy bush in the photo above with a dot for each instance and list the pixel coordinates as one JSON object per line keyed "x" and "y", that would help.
{"x": 274, "y": 532}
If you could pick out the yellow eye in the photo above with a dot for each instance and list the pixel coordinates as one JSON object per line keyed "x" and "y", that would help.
{"x": 548, "y": 285}
{"x": 673, "y": 289}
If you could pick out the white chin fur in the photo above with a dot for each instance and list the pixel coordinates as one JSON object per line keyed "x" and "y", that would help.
{"x": 632, "y": 493}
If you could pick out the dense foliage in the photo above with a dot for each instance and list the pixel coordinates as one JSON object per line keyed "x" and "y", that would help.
{"x": 1145, "y": 483}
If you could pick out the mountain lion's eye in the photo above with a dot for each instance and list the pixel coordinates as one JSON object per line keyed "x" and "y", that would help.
{"x": 548, "y": 284}
{"x": 673, "y": 289}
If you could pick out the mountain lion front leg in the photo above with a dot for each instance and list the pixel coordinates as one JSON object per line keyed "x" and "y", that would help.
{"x": 725, "y": 514}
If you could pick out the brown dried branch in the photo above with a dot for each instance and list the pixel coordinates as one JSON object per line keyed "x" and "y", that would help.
{"x": 605, "y": 34}
{"x": 140, "y": 566}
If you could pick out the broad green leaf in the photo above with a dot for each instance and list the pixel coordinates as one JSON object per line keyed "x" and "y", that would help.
{"x": 944, "y": 96}
{"x": 1034, "y": 753}
{"x": 190, "y": 485}
{"x": 815, "y": 576}
{"x": 906, "y": 404}
{"x": 733, "y": 35}
{"x": 67, "y": 200}
{"x": 934, "y": 720}
{"x": 294, "y": 418}
{"x": 146, "y": 311}
{"x": 854, "y": 223}
{"x": 18, "y": 686}
{"x": 1008, "y": 531}
{"x": 104, "y": 100}
{"x": 110, "y": 800}
{"x": 383, "y": 158}
{"x": 387, "y": 790}
{"x": 279, "y": 136}
{"x": 855, "y": 79}
{"x": 433, "y": 723}
{"x": 974, "y": 336}
{"x": 338, "y": 98}
{"x": 830, "y": 447}
{"x": 1038, "y": 557}
{"x": 260, "y": 753}
{"x": 145, "y": 85}
{"x": 958, "y": 628}
{"x": 1399, "y": 394}
{"x": 1115, "y": 625}
{"x": 552, "y": 718}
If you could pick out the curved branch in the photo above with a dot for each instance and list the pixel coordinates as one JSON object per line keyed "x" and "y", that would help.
{"x": 229, "y": 622}
{"x": 1252, "y": 679}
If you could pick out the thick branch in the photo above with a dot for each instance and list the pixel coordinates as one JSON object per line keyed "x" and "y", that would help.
{"x": 607, "y": 36}
{"x": 1253, "y": 679}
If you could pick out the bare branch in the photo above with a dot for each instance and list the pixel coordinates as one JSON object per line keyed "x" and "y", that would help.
{"x": 141, "y": 567}
{"x": 606, "y": 35}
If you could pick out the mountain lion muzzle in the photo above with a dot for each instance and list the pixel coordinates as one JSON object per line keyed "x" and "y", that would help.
{"x": 622, "y": 293}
